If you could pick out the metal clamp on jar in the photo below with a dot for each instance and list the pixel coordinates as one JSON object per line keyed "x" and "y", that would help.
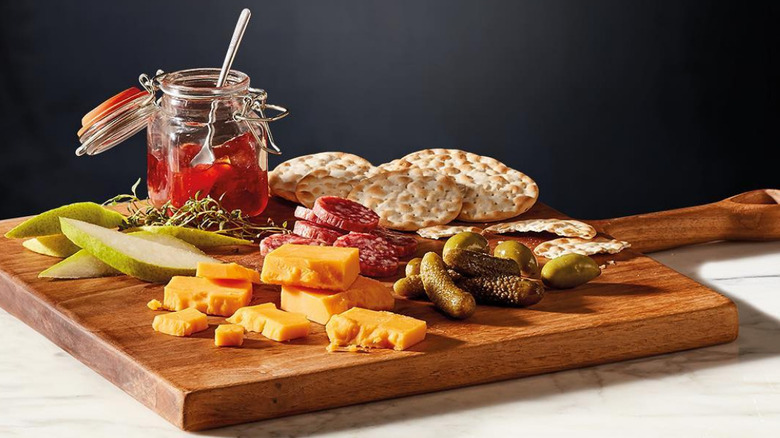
{"x": 203, "y": 140}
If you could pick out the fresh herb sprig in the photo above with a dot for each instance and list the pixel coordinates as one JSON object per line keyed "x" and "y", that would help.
{"x": 204, "y": 213}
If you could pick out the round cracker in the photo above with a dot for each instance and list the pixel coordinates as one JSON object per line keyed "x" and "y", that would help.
{"x": 492, "y": 191}
{"x": 284, "y": 178}
{"x": 439, "y": 231}
{"x": 325, "y": 182}
{"x": 410, "y": 199}
{"x": 561, "y": 227}
{"x": 558, "y": 247}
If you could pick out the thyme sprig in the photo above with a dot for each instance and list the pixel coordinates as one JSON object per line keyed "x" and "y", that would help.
{"x": 203, "y": 213}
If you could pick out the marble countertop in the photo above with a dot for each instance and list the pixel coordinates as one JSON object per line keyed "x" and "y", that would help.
{"x": 726, "y": 390}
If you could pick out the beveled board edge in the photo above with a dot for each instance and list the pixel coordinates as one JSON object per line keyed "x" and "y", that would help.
{"x": 518, "y": 358}
{"x": 93, "y": 351}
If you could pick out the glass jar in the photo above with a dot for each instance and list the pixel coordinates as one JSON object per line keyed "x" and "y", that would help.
{"x": 193, "y": 115}
{"x": 202, "y": 140}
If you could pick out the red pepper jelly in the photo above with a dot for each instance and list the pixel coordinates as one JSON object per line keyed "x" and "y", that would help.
{"x": 235, "y": 176}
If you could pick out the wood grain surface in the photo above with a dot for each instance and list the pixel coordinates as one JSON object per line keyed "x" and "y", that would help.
{"x": 637, "y": 308}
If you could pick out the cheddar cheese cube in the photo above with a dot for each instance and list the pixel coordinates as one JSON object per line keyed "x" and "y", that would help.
{"x": 227, "y": 271}
{"x": 319, "y": 305}
{"x": 273, "y": 323}
{"x": 214, "y": 297}
{"x": 316, "y": 267}
{"x": 154, "y": 304}
{"x": 374, "y": 329}
{"x": 229, "y": 335}
{"x": 182, "y": 323}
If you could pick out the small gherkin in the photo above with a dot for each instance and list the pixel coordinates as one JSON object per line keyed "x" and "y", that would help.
{"x": 504, "y": 290}
{"x": 478, "y": 264}
{"x": 410, "y": 287}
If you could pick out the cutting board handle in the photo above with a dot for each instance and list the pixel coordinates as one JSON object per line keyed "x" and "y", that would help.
{"x": 751, "y": 215}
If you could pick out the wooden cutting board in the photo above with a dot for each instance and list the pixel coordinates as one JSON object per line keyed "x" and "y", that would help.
{"x": 637, "y": 308}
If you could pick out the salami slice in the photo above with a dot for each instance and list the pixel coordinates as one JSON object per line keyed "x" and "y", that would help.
{"x": 345, "y": 214}
{"x": 308, "y": 215}
{"x": 274, "y": 241}
{"x": 304, "y": 213}
{"x": 404, "y": 245}
{"x": 317, "y": 232}
{"x": 377, "y": 256}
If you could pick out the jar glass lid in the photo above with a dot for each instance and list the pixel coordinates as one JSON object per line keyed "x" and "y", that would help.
{"x": 118, "y": 118}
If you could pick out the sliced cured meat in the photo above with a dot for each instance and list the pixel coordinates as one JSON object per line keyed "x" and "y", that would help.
{"x": 274, "y": 241}
{"x": 308, "y": 215}
{"x": 318, "y": 232}
{"x": 304, "y": 213}
{"x": 377, "y": 256}
{"x": 345, "y": 214}
{"x": 404, "y": 245}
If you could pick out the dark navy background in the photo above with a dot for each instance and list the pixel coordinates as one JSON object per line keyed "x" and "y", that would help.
{"x": 614, "y": 107}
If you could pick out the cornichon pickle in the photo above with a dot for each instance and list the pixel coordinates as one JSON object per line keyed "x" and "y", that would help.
{"x": 410, "y": 287}
{"x": 413, "y": 267}
{"x": 504, "y": 290}
{"x": 569, "y": 270}
{"x": 477, "y": 264}
{"x": 512, "y": 249}
{"x": 442, "y": 291}
{"x": 466, "y": 240}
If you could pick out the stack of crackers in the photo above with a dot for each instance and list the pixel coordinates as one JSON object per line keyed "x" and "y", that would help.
{"x": 431, "y": 187}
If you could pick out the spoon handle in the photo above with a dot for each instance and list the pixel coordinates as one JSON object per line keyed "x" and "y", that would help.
{"x": 748, "y": 216}
{"x": 235, "y": 41}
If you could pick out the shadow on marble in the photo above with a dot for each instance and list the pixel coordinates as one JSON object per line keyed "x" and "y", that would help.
{"x": 757, "y": 340}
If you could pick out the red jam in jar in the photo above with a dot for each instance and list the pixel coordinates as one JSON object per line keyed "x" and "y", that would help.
{"x": 235, "y": 176}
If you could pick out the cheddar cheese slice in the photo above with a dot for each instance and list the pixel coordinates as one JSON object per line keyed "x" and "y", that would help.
{"x": 373, "y": 329}
{"x": 227, "y": 271}
{"x": 182, "y": 323}
{"x": 316, "y": 267}
{"x": 320, "y": 305}
{"x": 214, "y": 297}
{"x": 273, "y": 323}
{"x": 229, "y": 335}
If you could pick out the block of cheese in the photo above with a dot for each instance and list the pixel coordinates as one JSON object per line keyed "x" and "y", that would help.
{"x": 214, "y": 297}
{"x": 229, "y": 335}
{"x": 273, "y": 323}
{"x": 374, "y": 329}
{"x": 319, "y": 305}
{"x": 182, "y": 323}
{"x": 316, "y": 267}
{"x": 227, "y": 271}
{"x": 154, "y": 304}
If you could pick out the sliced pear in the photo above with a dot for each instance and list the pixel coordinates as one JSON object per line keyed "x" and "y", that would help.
{"x": 48, "y": 222}
{"x": 166, "y": 240}
{"x": 199, "y": 238}
{"x": 79, "y": 265}
{"x": 56, "y": 245}
{"x": 83, "y": 265}
{"x": 132, "y": 255}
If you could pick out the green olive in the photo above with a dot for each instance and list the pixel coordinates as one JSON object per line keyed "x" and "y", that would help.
{"x": 512, "y": 249}
{"x": 413, "y": 267}
{"x": 468, "y": 241}
{"x": 569, "y": 270}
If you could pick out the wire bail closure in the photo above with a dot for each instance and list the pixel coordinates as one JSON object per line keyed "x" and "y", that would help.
{"x": 255, "y": 101}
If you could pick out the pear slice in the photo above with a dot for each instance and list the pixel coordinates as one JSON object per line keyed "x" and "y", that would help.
{"x": 48, "y": 222}
{"x": 132, "y": 255}
{"x": 83, "y": 265}
{"x": 56, "y": 245}
{"x": 199, "y": 238}
{"x": 79, "y": 265}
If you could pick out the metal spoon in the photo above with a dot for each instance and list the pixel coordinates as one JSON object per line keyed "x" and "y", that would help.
{"x": 206, "y": 155}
